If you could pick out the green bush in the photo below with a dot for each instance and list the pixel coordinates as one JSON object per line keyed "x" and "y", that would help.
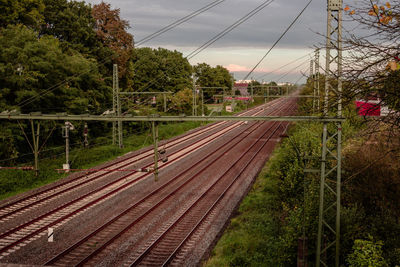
{"x": 367, "y": 253}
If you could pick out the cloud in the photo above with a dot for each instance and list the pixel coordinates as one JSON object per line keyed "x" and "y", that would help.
{"x": 238, "y": 68}
{"x": 262, "y": 30}
{"x": 243, "y": 47}
{"x": 234, "y": 68}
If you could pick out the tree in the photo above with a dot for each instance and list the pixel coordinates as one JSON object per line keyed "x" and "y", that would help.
{"x": 27, "y": 12}
{"x": 72, "y": 23}
{"x": 37, "y": 75}
{"x": 30, "y": 65}
{"x": 273, "y": 84}
{"x": 373, "y": 61}
{"x": 181, "y": 102}
{"x": 160, "y": 70}
{"x": 208, "y": 76}
{"x": 112, "y": 31}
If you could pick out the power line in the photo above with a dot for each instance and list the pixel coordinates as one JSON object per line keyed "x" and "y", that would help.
{"x": 179, "y": 22}
{"x": 216, "y": 38}
{"x": 301, "y": 76}
{"x": 283, "y": 34}
{"x": 283, "y": 66}
{"x": 293, "y": 69}
{"x": 148, "y": 38}
{"x": 229, "y": 29}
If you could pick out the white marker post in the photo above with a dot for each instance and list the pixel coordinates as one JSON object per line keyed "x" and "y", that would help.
{"x": 50, "y": 235}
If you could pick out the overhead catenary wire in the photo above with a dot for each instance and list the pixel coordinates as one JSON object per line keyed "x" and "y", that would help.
{"x": 215, "y": 38}
{"x": 277, "y": 41}
{"x": 291, "y": 70}
{"x": 301, "y": 76}
{"x": 229, "y": 29}
{"x": 171, "y": 26}
{"x": 179, "y": 22}
{"x": 290, "y": 63}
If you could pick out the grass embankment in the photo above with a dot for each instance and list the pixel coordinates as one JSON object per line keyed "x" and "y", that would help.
{"x": 263, "y": 233}
{"x": 13, "y": 182}
{"x": 282, "y": 205}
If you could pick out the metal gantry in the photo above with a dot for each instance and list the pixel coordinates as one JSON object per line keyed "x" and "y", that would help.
{"x": 328, "y": 239}
{"x": 154, "y": 127}
{"x": 312, "y": 84}
{"x": 35, "y": 147}
{"x": 194, "y": 96}
{"x": 164, "y": 94}
{"x": 153, "y": 119}
{"x": 129, "y": 118}
{"x": 316, "y": 80}
{"x": 117, "y": 125}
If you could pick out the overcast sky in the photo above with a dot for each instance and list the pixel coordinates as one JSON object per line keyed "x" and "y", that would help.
{"x": 242, "y": 48}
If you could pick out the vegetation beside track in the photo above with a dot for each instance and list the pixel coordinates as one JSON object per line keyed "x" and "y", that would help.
{"x": 283, "y": 203}
{"x": 100, "y": 151}
{"x": 13, "y": 182}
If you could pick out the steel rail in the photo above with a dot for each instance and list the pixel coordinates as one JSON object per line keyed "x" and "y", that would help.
{"x": 186, "y": 137}
{"x": 87, "y": 205}
{"x": 38, "y": 201}
{"x": 91, "y": 203}
{"x": 107, "y": 166}
{"x": 99, "y": 249}
{"x": 157, "y": 241}
{"x": 52, "y": 261}
{"x": 192, "y": 231}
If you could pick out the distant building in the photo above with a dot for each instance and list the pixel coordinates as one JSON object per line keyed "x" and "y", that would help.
{"x": 372, "y": 106}
{"x": 284, "y": 84}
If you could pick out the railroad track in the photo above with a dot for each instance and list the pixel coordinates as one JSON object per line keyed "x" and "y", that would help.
{"x": 190, "y": 216}
{"x": 18, "y": 236}
{"x": 162, "y": 250}
{"x": 9, "y": 210}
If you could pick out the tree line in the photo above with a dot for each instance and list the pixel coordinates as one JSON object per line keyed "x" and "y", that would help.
{"x": 57, "y": 56}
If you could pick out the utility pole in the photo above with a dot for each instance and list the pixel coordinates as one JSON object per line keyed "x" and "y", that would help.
{"x": 115, "y": 102}
{"x": 328, "y": 238}
{"x": 68, "y": 127}
{"x": 117, "y": 126}
{"x": 165, "y": 102}
{"x": 202, "y": 102}
{"x": 233, "y": 84}
{"x": 85, "y": 135}
{"x": 194, "y": 95}
{"x": 312, "y": 84}
{"x": 251, "y": 90}
{"x": 154, "y": 127}
{"x": 35, "y": 137}
{"x": 316, "y": 78}
{"x": 120, "y": 141}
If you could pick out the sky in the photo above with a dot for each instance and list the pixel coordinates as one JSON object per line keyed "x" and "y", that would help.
{"x": 241, "y": 49}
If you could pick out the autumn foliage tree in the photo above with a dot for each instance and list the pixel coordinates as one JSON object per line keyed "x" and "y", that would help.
{"x": 372, "y": 53}
{"x": 112, "y": 31}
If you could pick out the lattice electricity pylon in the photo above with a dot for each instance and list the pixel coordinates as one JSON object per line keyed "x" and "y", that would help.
{"x": 316, "y": 79}
{"x": 116, "y": 108}
{"x": 328, "y": 240}
{"x": 312, "y": 81}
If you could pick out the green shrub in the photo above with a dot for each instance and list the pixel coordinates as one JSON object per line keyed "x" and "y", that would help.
{"x": 367, "y": 253}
